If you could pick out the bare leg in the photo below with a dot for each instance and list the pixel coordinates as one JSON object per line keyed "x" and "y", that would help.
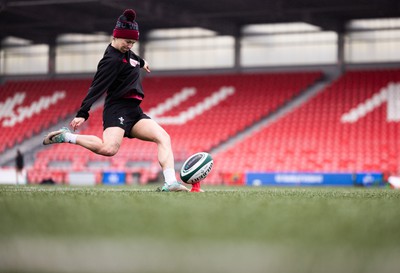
{"x": 108, "y": 146}
{"x": 149, "y": 130}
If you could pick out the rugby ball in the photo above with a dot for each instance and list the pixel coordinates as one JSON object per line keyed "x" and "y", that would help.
{"x": 196, "y": 168}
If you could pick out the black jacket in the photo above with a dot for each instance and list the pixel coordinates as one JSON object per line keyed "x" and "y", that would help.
{"x": 118, "y": 74}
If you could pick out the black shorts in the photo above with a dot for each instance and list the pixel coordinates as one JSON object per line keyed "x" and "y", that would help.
{"x": 124, "y": 113}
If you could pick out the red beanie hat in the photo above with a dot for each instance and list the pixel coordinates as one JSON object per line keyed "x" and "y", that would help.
{"x": 126, "y": 26}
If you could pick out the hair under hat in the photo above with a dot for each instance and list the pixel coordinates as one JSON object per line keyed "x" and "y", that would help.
{"x": 126, "y": 26}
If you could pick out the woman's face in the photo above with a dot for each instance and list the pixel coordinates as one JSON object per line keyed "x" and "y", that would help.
{"x": 122, "y": 44}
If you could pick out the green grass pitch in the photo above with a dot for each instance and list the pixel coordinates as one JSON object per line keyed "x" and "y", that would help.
{"x": 225, "y": 229}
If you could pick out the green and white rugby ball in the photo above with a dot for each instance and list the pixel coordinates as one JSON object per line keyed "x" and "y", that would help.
{"x": 196, "y": 168}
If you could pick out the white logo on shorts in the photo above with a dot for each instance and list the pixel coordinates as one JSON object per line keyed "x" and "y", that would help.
{"x": 121, "y": 120}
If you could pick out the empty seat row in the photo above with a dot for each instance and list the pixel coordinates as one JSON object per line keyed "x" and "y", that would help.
{"x": 306, "y": 140}
{"x": 221, "y": 116}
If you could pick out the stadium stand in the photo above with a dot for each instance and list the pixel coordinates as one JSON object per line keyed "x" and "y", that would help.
{"x": 352, "y": 125}
{"x": 36, "y": 105}
{"x": 199, "y": 112}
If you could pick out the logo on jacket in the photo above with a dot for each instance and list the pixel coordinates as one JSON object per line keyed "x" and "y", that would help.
{"x": 121, "y": 120}
{"x": 133, "y": 62}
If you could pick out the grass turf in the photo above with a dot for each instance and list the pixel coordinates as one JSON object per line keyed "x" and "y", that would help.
{"x": 222, "y": 230}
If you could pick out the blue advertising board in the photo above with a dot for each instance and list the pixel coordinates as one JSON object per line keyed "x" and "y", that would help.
{"x": 369, "y": 179}
{"x": 114, "y": 178}
{"x": 299, "y": 179}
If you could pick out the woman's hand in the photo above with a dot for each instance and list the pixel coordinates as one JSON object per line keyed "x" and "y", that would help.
{"x": 146, "y": 66}
{"x": 76, "y": 122}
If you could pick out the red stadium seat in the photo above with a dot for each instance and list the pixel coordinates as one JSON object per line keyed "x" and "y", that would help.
{"x": 255, "y": 96}
{"x": 313, "y": 137}
{"x": 37, "y": 106}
